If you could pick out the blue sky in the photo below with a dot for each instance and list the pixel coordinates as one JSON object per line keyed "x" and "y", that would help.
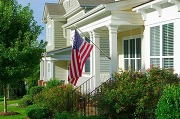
{"x": 38, "y": 7}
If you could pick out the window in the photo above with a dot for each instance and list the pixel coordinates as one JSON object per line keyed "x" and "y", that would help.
{"x": 48, "y": 70}
{"x": 132, "y": 54}
{"x": 162, "y": 45}
{"x": 87, "y": 63}
{"x": 49, "y": 35}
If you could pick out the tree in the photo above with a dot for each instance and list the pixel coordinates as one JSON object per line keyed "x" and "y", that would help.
{"x": 20, "y": 52}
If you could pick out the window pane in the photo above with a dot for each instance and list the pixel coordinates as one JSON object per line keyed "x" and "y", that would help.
{"x": 125, "y": 48}
{"x": 87, "y": 66}
{"x": 168, "y": 62}
{"x": 168, "y": 39}
{"x": 132, "y": 48}
{"x": 49, "y": 35}
{"x": 155, "y": 41}
{"x": 138, "y": 64}
{"x": 155, "y": 62}
{"x": 138, "y": 48}
{"x": 132, "y": 64}
{"x": 49, "y": 67}
{"x": 126, "y": 64}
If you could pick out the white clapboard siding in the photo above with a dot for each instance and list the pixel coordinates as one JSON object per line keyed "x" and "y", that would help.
{"x": 61, "y": 70}
{"x": 104, "y": 61}
{"x": 49, "y": 25}
{"x": 59, "y": 40}
{"x": 70, "y": 5}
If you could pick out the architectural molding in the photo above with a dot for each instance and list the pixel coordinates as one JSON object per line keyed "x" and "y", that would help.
{"x": 143, "y": 14}
{"x": 176, "y": 2}
{"x": 158, "y": 9}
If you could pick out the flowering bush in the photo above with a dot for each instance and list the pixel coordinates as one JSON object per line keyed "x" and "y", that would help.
{"x": 134, "y": 94}
{"x": 35, "y": 90}
{"x": 53, "y": 83}
{"x": 26, "y": 100}
{"x": 55, "y": 99}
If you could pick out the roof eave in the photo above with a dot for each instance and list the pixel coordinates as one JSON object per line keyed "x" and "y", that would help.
{"x": 58, "y": 51}
{"x": 73, "y": 12}
{"x": 44, "y": 18}
{"x": 100, "y": 8}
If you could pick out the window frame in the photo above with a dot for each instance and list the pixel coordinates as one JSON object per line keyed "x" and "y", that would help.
{"x": 49, "y": 35}
{"x": 161, "y": 57}
{"x": 128, "y": 38}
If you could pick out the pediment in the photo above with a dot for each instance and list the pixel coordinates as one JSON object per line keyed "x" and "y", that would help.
{"x": 72, "y": 6}
{"x": 52, "y": 10}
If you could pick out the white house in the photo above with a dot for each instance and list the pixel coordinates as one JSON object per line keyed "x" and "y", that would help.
{"x": 133, "y": 33}
{"x": 161, "y": 34}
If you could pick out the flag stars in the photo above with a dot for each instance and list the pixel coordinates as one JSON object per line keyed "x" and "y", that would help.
{"x": 77, "y": 40}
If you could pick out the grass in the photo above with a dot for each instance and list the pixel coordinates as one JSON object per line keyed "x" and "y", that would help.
{"x": 13, "y": 109}
{"x": 1, "y": 98}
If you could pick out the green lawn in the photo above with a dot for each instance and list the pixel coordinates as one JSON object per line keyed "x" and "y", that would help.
{"x": 1, "y": 98}
{"x": 12, "y": 108}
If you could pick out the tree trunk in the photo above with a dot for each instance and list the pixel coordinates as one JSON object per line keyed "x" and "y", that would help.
{"x": 5, "y": 98}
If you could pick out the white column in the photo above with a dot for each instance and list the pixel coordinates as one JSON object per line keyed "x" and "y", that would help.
{"x": 41, "y": 70}
{"x": 95, "y": 58}
{"x": 176, "y": 47}
{"x": 52, "y": 70}
{"x": 91, "y": 56}
{"x": 45, "y": 69}
{"x": 113, "y": 48}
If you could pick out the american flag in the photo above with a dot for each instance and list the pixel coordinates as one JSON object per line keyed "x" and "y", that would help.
{"x": 80, "y": 52}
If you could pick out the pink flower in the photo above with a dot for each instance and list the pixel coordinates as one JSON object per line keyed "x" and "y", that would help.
{"x": 151, "y": 65}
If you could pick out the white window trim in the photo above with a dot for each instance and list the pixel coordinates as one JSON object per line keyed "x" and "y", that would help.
{"x": 128, "y": 38}
{"x": 161, "y": 43}
{"x": 50, "y": 69}
{"x": 49, "y": 35}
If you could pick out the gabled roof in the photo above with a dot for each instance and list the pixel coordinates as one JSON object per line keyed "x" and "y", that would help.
{"x": 94, "y": 2}
{"x": 53, "y": 9}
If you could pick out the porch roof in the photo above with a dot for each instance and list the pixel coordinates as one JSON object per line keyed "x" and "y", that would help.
{"x": 116, "y": 11}
{"x": 60, "y": 54}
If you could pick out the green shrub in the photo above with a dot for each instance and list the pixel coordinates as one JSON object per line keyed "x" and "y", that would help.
{"x": 26, "y": 101}
{"x": 17, "y": 90}
{"x": 53, "y": 83}
{"x": 35, "y": 90}
{"x": 31, "y": 82}
{"x": 34, "y": 112}
{"x": 134, "y": 94}
{"x": 65, "y": 115}
{"x": 169, "y": 104}
{"x": 54, "y": 99}
{"x": 92, "y": 117}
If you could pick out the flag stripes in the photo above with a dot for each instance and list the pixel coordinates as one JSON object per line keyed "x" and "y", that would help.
{"x": 80, "y": 52}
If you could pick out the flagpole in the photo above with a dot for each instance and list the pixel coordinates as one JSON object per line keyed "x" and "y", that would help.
{"x": 93, "y": 43}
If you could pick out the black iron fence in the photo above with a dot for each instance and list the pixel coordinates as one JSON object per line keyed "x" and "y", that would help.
{"x": 83, "y": 100}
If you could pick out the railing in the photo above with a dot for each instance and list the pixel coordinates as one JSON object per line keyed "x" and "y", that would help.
{"x": 82, "y": 100}
{"x": 76, "y": 98}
